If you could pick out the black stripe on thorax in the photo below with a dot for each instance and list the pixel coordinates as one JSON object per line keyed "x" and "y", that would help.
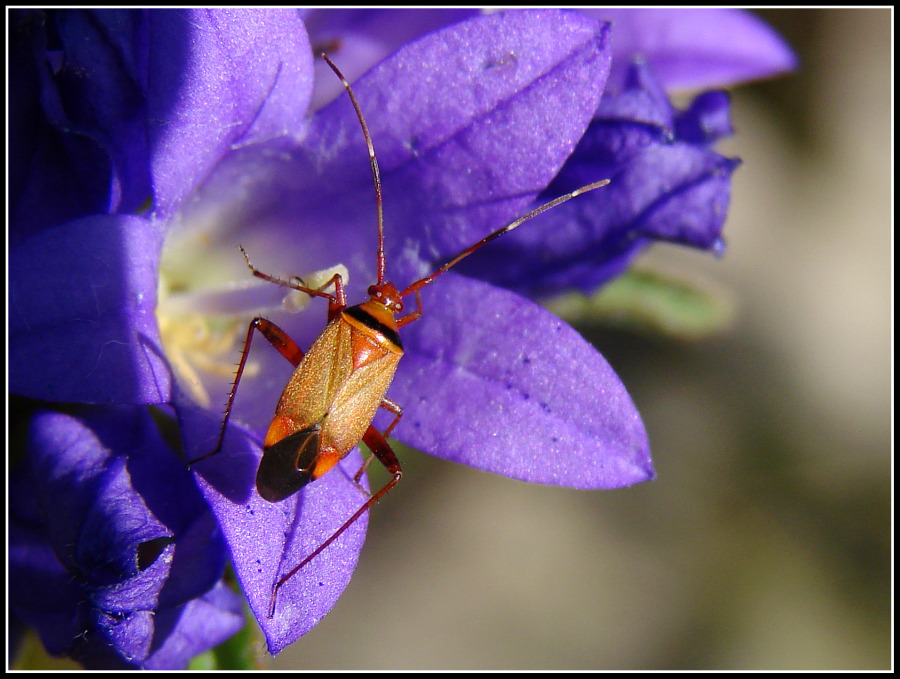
{"x": 370, "y": 321}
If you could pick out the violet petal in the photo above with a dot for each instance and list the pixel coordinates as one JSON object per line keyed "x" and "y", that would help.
{"x": 204, "y": 622}
{"x": 268, "y": 539}
{"x": 220, "y": 77}
{"x": 100, "y": 85}
{"x": 82, "y": 325}
{"x": 707, "y": 119}
{"x": 496, "y": 382}
{"x": 56, "y": 172}
{"x": 697, "y": 47}
{"x": 359, "y": 38}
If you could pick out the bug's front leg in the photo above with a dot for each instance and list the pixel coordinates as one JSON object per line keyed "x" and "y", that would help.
{"x": 279, "y": 339}
{"x": 336, "y": 302}
{"x": 412, "y": 315}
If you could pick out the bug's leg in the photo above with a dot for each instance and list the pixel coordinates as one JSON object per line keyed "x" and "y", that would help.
{"x": 392, "y": 407}
{"x": 412, "y": 315}
{"x": 379, "y": 446}
{"x": 336, "y": 302}
{"x": 279, "y": 339}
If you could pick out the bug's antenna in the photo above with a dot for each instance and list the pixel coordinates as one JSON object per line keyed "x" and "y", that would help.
{"x": 376, "y": 175}
{"x": 418, "y": 285}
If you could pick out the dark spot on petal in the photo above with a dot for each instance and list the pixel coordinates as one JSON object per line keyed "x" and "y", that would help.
{"x": 412, "y": 146}
{"x": 500, "y": 61}
{"x": 148, "y": 552}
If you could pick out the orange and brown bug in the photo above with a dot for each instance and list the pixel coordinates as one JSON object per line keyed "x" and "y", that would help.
{"x": 338, "y": 385}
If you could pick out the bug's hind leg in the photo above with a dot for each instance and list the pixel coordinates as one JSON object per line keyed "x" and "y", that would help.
{"x": 380, "y": 448}
{"x": 392, "y": 407}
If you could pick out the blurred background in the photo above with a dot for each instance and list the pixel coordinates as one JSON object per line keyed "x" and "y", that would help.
{"x": 765, "y": 542}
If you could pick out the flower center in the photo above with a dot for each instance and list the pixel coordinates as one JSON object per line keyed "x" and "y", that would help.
{"x": 202, "y": 326}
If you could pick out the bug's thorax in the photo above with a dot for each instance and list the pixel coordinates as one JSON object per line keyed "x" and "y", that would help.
{"x": 376, "y": 322}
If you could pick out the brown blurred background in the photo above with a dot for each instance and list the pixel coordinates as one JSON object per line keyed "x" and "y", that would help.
{"x": 765, "y": 542}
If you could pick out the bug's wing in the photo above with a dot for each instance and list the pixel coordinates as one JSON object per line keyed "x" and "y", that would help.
{"x": 287, "y": 466}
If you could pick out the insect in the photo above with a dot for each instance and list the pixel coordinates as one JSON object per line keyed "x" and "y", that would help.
{"x": 339, "y": 384}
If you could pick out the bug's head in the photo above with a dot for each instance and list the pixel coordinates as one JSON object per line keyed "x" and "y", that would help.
{"x": 387, "y": 295}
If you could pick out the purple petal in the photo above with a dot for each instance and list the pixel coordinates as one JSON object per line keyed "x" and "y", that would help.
{"x": 357, "y": 39}
{"x": 167, "y": 639}
{"x": 82, "y": 325}
{"x": 112, "y": 531}
{"x": 642, "y": 99}
{"x": 496, "y": 382}
{"x": 676, "y": 193}
{"x": 129, "y": 634}
{"x": 100, "y": 86}
{"x": 691, "y": 211}
{"x": 44, "y": 595}
{"x": 666, "y": 184}
{"x": 204, "y": 622}
{"x": 696, "y": 48}
{"x": 56, "y": 172}
{"x": 707, "y": 120}
{"x": 125, "y": 551}
{"x": 268, "y": 539}
{"x": 219, "y": 78}
{"x": 187, "y": 72}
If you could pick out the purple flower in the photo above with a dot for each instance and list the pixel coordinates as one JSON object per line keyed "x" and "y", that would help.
{"x": 667, "y": 185}
{"x": 148, "y": 145}
{"x": 115, "y": 559}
